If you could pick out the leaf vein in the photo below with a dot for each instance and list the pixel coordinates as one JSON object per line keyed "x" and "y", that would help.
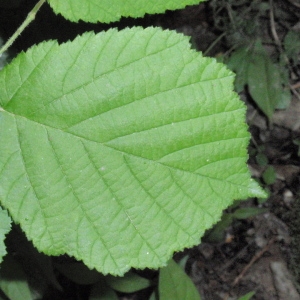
{"x": 78, "y": 198}
{"x": 31, "y": 72}
{"x": 117, "y": 200}
{"x": 154, "y": 200}
{"x": 30, "y": 182}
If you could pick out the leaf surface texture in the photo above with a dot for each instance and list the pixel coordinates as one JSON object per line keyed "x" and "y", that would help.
{"x": 120, "y": 148}
{"x": 107, "y": 11}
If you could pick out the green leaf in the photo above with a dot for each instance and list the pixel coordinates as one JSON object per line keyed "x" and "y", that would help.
{"x": 248, "y": 296}
{"x": 239, "y": 62}
{"x": 175, "y": 284}
{"x": 262, "y": 159}
{"x": 129, "y": 283}
{"x": 183, "y": 262}
{"x": 101, "y": 291}
{"x": 120, "y": 148}
{"x": 153, "y": 296}
{"x": 217, "y": 233}
{"x": 265, "y": 199}
{"x": 269, "y": 175}
{"x": 106, "y": 11}
{"x": 268, "y": 82}
{"x": 13, "y": 281}
{"x": 264, "y": 81}
{"x": 285, "y": 92}
{"x": 292, "y": 45}
{"x": 5, "y": 226}
{"x": 248, "y": 212}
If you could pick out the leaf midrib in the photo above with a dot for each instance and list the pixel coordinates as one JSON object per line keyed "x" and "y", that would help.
{"x": 130, "y": 154}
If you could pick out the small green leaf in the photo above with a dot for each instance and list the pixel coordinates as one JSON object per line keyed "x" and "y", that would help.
{"x": 5, "y": 226}
{"x": 120, "y": 148}
{"x": 292, "y": 45}
{"x": 286, "y": 94}
{"x": 153, "y": 296}
{"x": 269, "y": 175}
{"x": 129, "y": 283}
{"x": 248, "y": 212}
{"x": 13, "y": 281}
{"x": 239, "y": 62}
{"x": 217, "y": 233}
{"x": 265, "y": 199}
{"x": 183, "y": 262}
{"x": 285, "y": 98}
{"x": 175, "y": 284}
{"x": 262, "y": 159}
{"x": 264, "y": 81}
{"x": 112, "y": 10}
{"x": 247, "y": 296}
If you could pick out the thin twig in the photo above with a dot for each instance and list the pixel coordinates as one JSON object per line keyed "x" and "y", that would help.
{"x": 296, "y": 94}
{"x": 247, "y": 267}
{"x": 296, "y": 85}
{"x": 273, "y": 28}
{"x": 214, "y": 43}
{"x": 295, "y": 3}
{"x": 253, "y": 260}
{"x": 233, "y": 260}
{"x": 30, "y": 17}
{"x": 294, "y": 91}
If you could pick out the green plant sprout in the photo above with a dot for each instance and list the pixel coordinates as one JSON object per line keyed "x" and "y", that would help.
{"x": 241, "y": 25}
{"x": 122, "y": 147}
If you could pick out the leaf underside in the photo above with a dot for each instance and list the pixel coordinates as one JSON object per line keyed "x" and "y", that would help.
{"x": 107, "y": 11}
{"x": 120, "y": 148}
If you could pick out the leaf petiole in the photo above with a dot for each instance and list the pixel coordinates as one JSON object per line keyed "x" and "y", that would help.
{"x": 30, "y": 17}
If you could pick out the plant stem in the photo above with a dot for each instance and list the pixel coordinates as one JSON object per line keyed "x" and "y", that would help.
{"x": 30, "y": 17}
{"x": 213, "y": 44}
